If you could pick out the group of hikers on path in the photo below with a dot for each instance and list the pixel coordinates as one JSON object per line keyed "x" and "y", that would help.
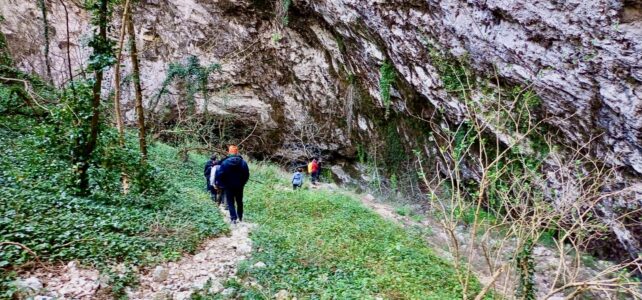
{"x": 313, "y": 170}
{"x": 226, "y": 178}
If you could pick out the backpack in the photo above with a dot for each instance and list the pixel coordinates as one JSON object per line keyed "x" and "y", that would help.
{"x": 213, "y": 175}
{"x": 297, "y": 179}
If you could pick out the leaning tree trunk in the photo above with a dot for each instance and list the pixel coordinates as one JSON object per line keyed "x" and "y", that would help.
{"x": 137, "y": 88}
{"x": 124, "y": 178}
{"x": 119, "y": 56}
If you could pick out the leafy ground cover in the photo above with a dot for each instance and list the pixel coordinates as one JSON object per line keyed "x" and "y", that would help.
{"x": 316, "y": 244}
{"x": 326, "y": 245}
{"x": 143, "y": 227}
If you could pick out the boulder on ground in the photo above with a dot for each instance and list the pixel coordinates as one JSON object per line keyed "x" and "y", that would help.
{"x": 160, "y": 274}
{"x": 282, "y": 295}
{"x": 28, "y": 287}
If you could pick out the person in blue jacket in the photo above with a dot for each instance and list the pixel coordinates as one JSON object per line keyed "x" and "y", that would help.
{"x": 231, "y": 176}
{"x": 297, "y": 178}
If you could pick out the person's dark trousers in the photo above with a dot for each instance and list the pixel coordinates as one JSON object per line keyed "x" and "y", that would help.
{"x": 294, "y": 186}
{"x": 219, "y": 197}
{"x": 214, "y": 195}
{"x": 234, "y": 196}
{"x": 315, "y": 177}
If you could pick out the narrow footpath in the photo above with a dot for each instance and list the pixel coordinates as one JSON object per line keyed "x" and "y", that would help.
{"x": 211, "y": 266}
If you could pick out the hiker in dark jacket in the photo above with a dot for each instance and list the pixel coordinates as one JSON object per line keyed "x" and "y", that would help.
{"x": 215, "y": 191}
{"x": 209, "y": 166}
{"x": 231, "y": 176}
{"x": 208, "y": 170}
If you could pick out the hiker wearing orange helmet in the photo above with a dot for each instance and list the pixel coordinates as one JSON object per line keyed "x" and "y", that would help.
{"x": 231, "y": 176}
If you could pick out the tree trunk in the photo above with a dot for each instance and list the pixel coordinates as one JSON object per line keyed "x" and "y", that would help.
{"x": 45, "y": 24}
{"x": 124, "y": 178}
{"x": 95, "y": 104}
{"x": 137, "y": 88}
{"x": 71, "y": 74}
{"x": 119, "y": 118}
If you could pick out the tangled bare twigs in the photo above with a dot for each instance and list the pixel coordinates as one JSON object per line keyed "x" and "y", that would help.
{"x": 501, "y": 176}
{"x": 28, "y": 250}
{"x": 33, "y": 97}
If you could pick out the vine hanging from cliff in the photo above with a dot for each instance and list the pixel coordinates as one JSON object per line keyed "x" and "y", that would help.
{"x": 194, "y": 76}
{"x": 5, "y": 57}
{"x": 282, "y": 9}
{"x": 351, "y": 95}
{"x": 386, "y": 79}
{"x": 453, "y": 72}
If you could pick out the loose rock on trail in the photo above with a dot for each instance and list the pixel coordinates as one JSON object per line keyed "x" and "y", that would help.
{"x": 216, "y": 261}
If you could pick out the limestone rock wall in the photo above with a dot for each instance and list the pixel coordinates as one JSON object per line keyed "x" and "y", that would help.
{"x": 273, "y": 77}
{"x": 583, "y": 58}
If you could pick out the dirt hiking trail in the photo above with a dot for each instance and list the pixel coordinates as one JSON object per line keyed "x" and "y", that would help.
{"x": 215, "y": 261}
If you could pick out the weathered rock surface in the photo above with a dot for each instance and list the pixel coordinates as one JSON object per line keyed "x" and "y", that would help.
{"x": 160, "y": 274}
{"x": 64, "y": 282}
{"x": 313, "y": 86}
{"x": 275, "y": 78}
{"x": 28, "y": 287}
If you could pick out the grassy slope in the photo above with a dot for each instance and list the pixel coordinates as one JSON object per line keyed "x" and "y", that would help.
{"x": 325, "y": 245}
{"x": 36, "y": 210}
{"x": 316, "y": 244}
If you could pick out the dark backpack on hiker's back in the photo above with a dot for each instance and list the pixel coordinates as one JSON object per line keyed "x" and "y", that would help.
{"x": 233, "y": 173}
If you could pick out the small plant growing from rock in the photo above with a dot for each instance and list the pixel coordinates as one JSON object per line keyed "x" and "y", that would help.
{"x": 276, "y": 37}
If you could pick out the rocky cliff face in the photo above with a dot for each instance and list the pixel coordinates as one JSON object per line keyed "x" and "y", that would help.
{"x": 313, "y": 86}
{"x": 275, "y": 78}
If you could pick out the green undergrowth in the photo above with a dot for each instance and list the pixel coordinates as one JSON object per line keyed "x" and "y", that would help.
{"x": 143, "y": 227}
{"x": 320, "y": 244}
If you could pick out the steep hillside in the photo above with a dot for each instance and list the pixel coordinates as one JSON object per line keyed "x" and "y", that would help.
{"x": 310, "y": 243}
{"x": 43, "y": 222}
